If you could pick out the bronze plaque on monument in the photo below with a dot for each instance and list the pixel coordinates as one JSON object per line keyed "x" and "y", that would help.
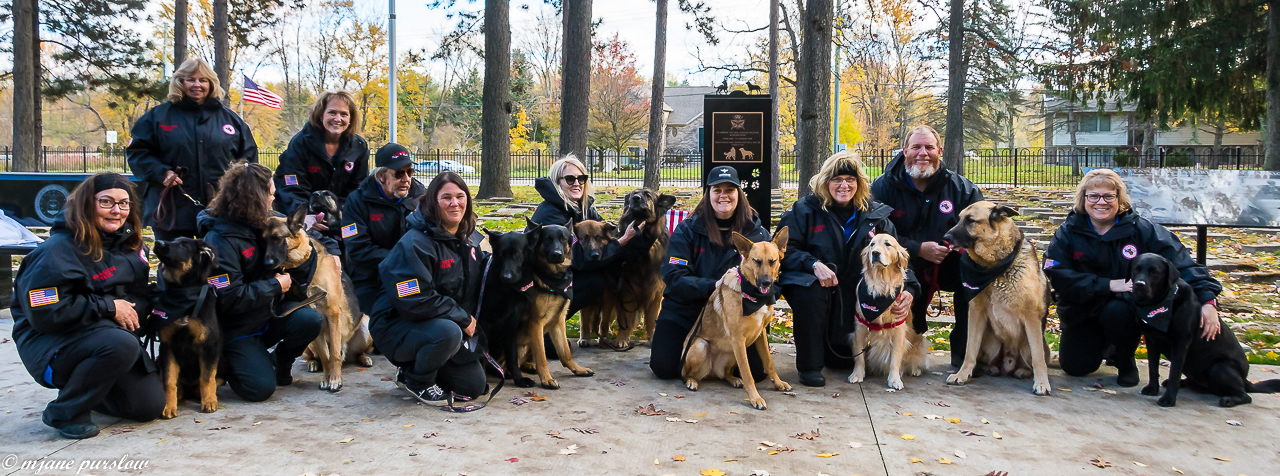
{"x": 737, "y": 137}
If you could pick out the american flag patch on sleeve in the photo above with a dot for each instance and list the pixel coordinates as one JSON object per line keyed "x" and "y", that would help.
{"x": 679, "y": 261}
{"x": 290, "y": 179}
{"x": 220, "y": 281}
{"x": 42, "y": 297}
{"x": 349, "y": 231}
{"x": 407, "y": 288}
{"x": 1050, "y": 263}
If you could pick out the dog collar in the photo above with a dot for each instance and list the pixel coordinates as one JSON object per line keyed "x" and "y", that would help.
{"x": 879, "y": 327}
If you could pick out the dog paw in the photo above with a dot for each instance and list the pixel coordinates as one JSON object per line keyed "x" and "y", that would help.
{"x": 584, "y": 343}
{"x": 1041, "y": 388}
{"x": 332, "y": 387}
{"x": 1167, "y": 400}
{"x": 855, "y": 378}
{"x": 551, "y": 385}
{"x": 584, "y": 372}
{"x": 692, "y": 384}
{"x": 992, "y": 371}
{"x": 1022, "y": 373}
{"x": 758, "y": 403}
{"x": 365, "y": 361}
{"x": 1231, "y": 401}
{"x": 1151, "y": 390}
{"x": 172, "y": 412}
{"x": 956, "y": 379}
{"x": 313, "y": 366}
{"x": 781, "y": 386}
{"x": 525, "y": 382}
{"x": 895, "y": 383}
{"x": 206, "y": 407}
{"x": 916, "y": 372}
{"x": 735, "y": 381}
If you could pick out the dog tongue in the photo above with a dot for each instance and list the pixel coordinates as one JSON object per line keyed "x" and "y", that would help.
{"x": 763, "y": 289}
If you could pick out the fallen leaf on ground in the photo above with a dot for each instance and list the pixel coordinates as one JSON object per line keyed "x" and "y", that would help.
{"x": 347, "y": 439}
{"x": 789, "y": 393}
{"x": 386, "y": 379}
{"x": 939, "y": 403}
{"x": 691, "y": 421}
{"x": 1140, "y": 465}
{"x": 345, "y": 461}
{"x": 730, "y": 460}
{"x": 807, "y": 436}
{"x": 854, "y": 444}
{"x": 908, "y": 437}
{"x": 656, "y": 462}
{"x": 826, "y": 455}
{"x": 1099, "y": 462}
{"x": 1096, "y": 385}
{"x": 450, "y": 447}
{"x": 674, "y": 419}
{"x": 586, "y": 431}
{"x": 996, "y": 436}
{"x": 916, "y": 460}
{"x": 712, "y": 472}
{"x": 220, "y": 428}
{"x": 931, "y": 417}
{"x": 944, "y": 461}
{"x": 650, "y": 410}
{"x": 1176, "y": 470}
{"x": 970, "y": 433}
{"x": 905, "y": 413}
{"x": 120, "y": 430}
{"x": 768, "y": 443}
{"x": 535, "y": 397}
{"x": 700, "y": 415}
{"x": 519, "y": 401}
{"x": 985, "y": 422}
{"x": 554, "y": 434}
{"x": 730, "y": 413}
{"x": 1065, "y": 389}
{"x": 891, "y": 390}
{"x": 512, "y": 460}
{"x": 679, "y": 396}
{"x": 162, "y": 441}
{"x": 661, "y": 394}
{"x": 366, "y": 419}
{"x": 256, "y": 423}
{"x": 960, "y": 454}
{"x": 1221, "y": 459}
{"x": 677, "y": 458}
{"x": 953, "y": 420}
{"x": 430, "y": 434}
{"x": 835, "y": 395}
{"x": 409, "y": 425}
{"x": 784, "y": 449}
{"x": 761, "y": 472}
{"x": 570, "y": 450}
{"x": 1234, "y": 423}
{"x": 817, "y": 416}
{"x": 618, "y": 383}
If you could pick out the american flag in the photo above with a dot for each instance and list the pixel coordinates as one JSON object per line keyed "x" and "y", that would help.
{"x": 290, "y": 179}
{"x": 674, "y": 217}
{"x": 258, "y": 94}
{"x": 407, "y": 288}
{"x": 44, "y": 296}
{"x": 220, "y": 281}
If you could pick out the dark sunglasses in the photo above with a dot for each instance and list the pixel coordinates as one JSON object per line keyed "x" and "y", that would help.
{"x": 572, "y": 179}
{"x": 402, "y": 173}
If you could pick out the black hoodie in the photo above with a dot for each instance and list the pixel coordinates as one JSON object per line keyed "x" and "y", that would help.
{"x": 695, "y": 264}
{"x": 1081, "y": 264}
{"x": 923, "y": 216}
{"x": 60, "y": 293}
{"x": 372, "y": 223}
{"x": 306, "y": 167}
{"x": 553, "y": 210}
{"x": 246, "y": 289}
{"x": 204, "y": 138}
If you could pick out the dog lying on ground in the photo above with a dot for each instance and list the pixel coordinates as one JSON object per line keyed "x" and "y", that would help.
{"x": 344, "y": 331}
{"x": 893, "y": 342}
{"x": 190, "y": 339}
{"x": 548, "y": 258}
{"x": 596, "y": 319}
{"x": 508, "y": 289}
{"x": 727, "y": 325}
{"x": 1008, "y": 313}
{"x": 1170, "y": 316}
{"x": 639, "y": 290}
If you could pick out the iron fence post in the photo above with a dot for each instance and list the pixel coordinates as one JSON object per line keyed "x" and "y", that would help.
{"x": 1161, "y": 151}
{"x": 84, "y": 159}
{"x": 1015, "y": 167}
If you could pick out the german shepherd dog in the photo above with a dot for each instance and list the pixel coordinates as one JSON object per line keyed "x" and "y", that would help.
{"x": 190, "y": 344}
{"x": 324, "y": 201}
{"x": 893, "y": 342}
{"x": 508, "y": 289}
{"x": 718, "y": 343}
{"x": 640, "y": 285}
{"x": 344, "y": 331}
{"x": 1007, "y": 318}
{"x": 1214, "y": 366}
{"x": 549, "y": 259}
{"x": 596, "y": 318}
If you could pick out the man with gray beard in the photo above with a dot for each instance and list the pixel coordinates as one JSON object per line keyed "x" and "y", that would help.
{"x": 373, "y": 219}
{"x": 927, "y": 199}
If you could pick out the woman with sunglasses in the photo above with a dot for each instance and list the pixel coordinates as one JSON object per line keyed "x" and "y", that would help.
{"x": 1088, "y": 265}
{"x": 374, "y": 219}
{"x": 80, "y": 301}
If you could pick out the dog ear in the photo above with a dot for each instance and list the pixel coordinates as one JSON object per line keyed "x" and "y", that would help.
{"x": 297, "y": 219}
{"x": 780, "y": 239}
{"x": 741, "y": 243}
{"x": 904, "y": 258}
{"x": 610, "y": 229}
{"x": 663, "y": 204}
{"x": 1171, "y": 273}
{"x": 530, "y": 225}
{"x": 493, "y": 235}
{"x": 1000, "y": 212}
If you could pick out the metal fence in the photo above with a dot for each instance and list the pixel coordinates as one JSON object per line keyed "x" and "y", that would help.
{"x": 992, "y": 167}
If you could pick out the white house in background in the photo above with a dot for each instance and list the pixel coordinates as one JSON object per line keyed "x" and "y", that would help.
{"x": 684, "y": 124}
{"x": 1113, "y": 128}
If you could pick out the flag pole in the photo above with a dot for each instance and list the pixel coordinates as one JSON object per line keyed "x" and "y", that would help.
{"x": 391, "y": 80}
{"x": 242, "y": 99}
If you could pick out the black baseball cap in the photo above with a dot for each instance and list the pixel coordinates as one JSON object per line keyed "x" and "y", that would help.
{"x": 393, "y": 156}
{"x": 723, "y": 174}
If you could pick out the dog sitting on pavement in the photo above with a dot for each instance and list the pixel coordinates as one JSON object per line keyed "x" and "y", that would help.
{"x": 639, "y": 289}
{"x": 548, "y": 259}
{"x": 1170, "y": 316}
{"x": 891, "y": 343}
{"x": 190, "y": 339}
{"x": 508, "y": 288}
{"x": 594, "y": 236}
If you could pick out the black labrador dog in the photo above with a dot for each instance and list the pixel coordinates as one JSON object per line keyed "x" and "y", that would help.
{"x": 1170, "y": 316}
{"x": 508, "y": 287}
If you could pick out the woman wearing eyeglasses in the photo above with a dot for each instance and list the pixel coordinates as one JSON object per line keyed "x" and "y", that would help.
{"x": 1088, "y": 265}
{"x": 80, "y": 301}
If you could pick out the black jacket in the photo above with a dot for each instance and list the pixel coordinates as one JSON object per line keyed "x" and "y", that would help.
{"x": 246, "y": 289}
{"x": 923, "y": 216}
{"x": 305, "y": 167}
{"x": 429, "y": 274}
{"x": 73, "y": 293}
{"x": 1081, "y": 264}
{"x": 816, "y": 235}
{"x": 695, "y": 265}
{"x": 204, "y": 138}
{"x": 553, "y": 210}
{"x": 372, "y": 223}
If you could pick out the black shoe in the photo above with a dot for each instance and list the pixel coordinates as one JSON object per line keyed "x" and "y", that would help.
{"x": 812, "y": 378}
{"x": 1128, "y": 376}
{"x": 284, "y": 373}
{"x": 72, "y": 431}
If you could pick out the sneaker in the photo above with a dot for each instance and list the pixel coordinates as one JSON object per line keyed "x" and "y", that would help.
{"x": 432, "y": 394}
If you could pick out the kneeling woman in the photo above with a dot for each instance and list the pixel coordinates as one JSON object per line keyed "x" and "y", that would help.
{"x": 80, "y": 300}
{"x": 424, "y": 319}
{"x": 247, "y": 288}
{"x": 700, "y": 253}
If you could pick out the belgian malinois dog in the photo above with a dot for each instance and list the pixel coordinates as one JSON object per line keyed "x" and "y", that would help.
{"x": 190, "y": 339}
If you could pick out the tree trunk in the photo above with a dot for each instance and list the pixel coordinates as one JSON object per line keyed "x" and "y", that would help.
{"x": 775, "y": 162}
{"x": 953, "y": 151}
{"x": 1272, "y": 144}
{"x": 221, "y": 48}
{"x": 657, "y": 122}
{"x": 1219, "y": 130}
{"x": 495, "y": 123}
{"x": 815, "y": 91}
{"x": 26, "y": 93}
{"x": 1072, "y": 128}
{"x": 179, "y": 33}
{"x": 576, "y": 78}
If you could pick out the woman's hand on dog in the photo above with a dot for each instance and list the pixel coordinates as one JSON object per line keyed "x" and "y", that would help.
{"x": 470, "y": 330}
{"x": 902, "y": 305}
{"x": 631, "y": 232}
{"x": 285, "y": 282}
{"x": 1121, "y": 286}
{"x": 825, "y": 275}
{"x": 1209, "y": 322}
{"x": 126, "y": 316}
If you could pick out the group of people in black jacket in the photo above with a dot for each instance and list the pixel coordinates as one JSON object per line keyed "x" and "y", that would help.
{"x": 83, "y": 297}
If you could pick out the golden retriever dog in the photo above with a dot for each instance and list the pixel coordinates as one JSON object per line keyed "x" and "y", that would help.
{"x": 718, "y": 343}
{"x": 892, "y": 342}
{"x": 1007, "y": 316}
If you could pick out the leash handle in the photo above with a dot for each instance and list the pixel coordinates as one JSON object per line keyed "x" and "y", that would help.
{"x": 449, "y": 401}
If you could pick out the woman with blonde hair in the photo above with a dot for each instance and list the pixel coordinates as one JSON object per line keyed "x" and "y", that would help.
{"x": 823, "y": 263}
{"x": 327, "y": 154}
{"x": 184, "y": 145}
{"x": 1088, "y": 265}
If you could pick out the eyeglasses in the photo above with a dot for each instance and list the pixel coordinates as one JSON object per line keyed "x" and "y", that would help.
{"x": 844, "y": 181}
{"x": 572, "y": 179}
{"x": 400, "y": 174}
{"x": 1095, "y": 198}
{"x": 107, "y": 203}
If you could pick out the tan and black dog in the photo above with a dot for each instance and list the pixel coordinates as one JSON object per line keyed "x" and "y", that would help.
{"x": 549, "y": 256}
{"x": 718, "y": 343}
{"x": 187, "y": 325}
{"x": 894, "y": 343}
{"x": 1008, "y": 312}
{"x": 344, "y": 331}
{"x": 594, "y": 236}
{"x": 639, "y": 289}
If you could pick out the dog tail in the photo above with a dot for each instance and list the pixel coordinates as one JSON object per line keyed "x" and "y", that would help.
{"x": 1265, "y": 386}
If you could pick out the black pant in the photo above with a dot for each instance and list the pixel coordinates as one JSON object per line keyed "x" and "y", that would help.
{"x": 667, "y": 348}
{"x": 811, "y": 308}
{"x": 959, "y": 332}
{"x": 103, "y": 371}
{"x": 1084, "y": 342}
{"x": 367, "y": 295}
{"x": 425, "y": 353}
{"x": 251, "y": 369}
{"x": 170, "y": 235}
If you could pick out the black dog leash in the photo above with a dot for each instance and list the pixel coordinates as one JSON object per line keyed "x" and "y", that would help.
{"x": 152, "y": 335}
{"x": 449, "y": 401}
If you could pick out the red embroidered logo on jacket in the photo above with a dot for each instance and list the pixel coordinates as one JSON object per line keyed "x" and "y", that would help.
{"x": 107, "y": 273}
{"x": 167, "y": 128}
{"x": 313, "y": 169}
{"x": 446, "y": 264}
{"x": 375, "y": 217}
{"x": 248, "y": 253}
{"x": 817, "y": 228}
{"x": 897, "y": 213}
{"x": 1079, "y": 255}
